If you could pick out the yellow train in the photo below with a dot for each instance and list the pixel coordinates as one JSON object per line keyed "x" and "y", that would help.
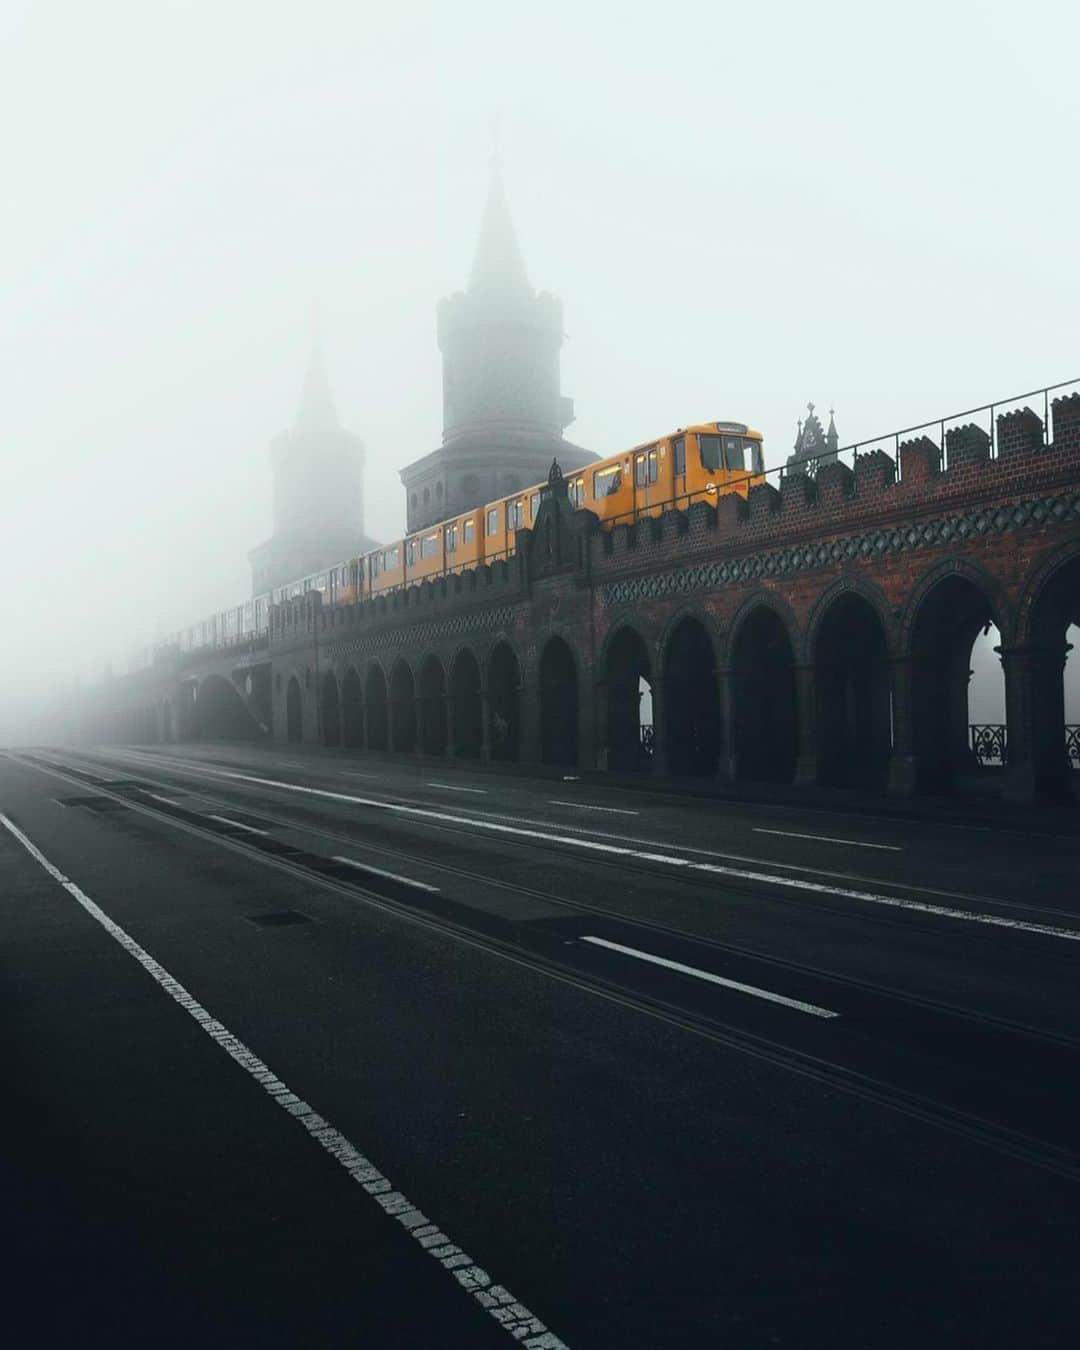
{"x": 693, "y": 464}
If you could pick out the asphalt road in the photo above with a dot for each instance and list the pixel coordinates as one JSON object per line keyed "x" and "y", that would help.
{"x": 320, "y": 1051}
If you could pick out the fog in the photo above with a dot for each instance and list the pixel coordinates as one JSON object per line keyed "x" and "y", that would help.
{"x": 742, "y": 207}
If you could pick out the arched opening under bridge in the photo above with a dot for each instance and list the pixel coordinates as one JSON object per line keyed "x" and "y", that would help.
{"x": 1055, "y": 680}
{"x": 504, "y": 680}
{"x": 628, "y": 679}
{"x": 378, "y": 720}
{"x": 558, "y": 705}
{"x": 432, "y": 707}
{"x": 220, "y": 713}
{"x": 854, "y": 710}
{"x": 403, "y": 709}
{"x": 294, "y": 712}
{"x": 352, "y": 710}
{"x": 468, "y": 710}
{"x": 331, "y": 710}
{"x": 690, "y": 701}
{"x": 954, "y": 617}
{"x": 763, "y": 699}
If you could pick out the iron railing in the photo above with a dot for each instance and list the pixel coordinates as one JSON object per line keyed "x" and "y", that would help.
{"x": 990, "y": 743}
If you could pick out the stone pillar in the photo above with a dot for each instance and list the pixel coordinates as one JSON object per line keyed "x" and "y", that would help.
{"x": 528, "y": 722}
{"x": 727, "y": 769}
{"x": 806, "y": 757}
{"x": 659, "y": 765}
{"x": 451, "y": 747}
{"x": 420, "y": 716}
{"x": 1038, "y": 767}
{"x": 599, "y": 726}
{"x": 900, "y": 779}
{"x": 391, "y": 718}
{"x": 364, "y": 732}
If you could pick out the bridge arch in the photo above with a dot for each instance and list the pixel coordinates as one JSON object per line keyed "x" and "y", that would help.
{"x": 628, "y": 699}
{"x": 558, "y": 685}
{"x": 352, "y": 709}
{"x": 376, "y": 706}
{"x": 219, "y": 712}
{"x": 467, "y": 703}
{"x": 432, "y": 706}
{"x": 762, "y": 675}
{"x": 688, "y": 659}
{"x": 402, "y": 708}
{"x": 946, "y": 613}
{"x": 504, "y": 701}
{"x": 294, "y": 712}
{"x": 849, "y": 647}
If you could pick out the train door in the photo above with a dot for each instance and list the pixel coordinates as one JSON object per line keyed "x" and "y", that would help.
{"x": 677, "y": 470}
{"x": 646, "y": 473}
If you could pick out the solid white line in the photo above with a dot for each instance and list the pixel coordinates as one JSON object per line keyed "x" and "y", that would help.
{"x": 828, "y": 839}
{"x": 159, "y": 798}
{"x": 743, "y": 874}
{"x": 224, "y": 820}
{"x": 588, "y": 806}
{"x": 811, "y": 1008}
{"x": 381, "y": 872}
{"x": 511, "y": 1315}
{"x": 450, "y": 787}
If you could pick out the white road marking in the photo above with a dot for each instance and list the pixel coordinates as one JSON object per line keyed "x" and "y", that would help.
{"x": 588, "y": 806}
{"x": 159, "y": 798}
{"x": 381, "y": 872}
{"x": 828, "y": 839}
{"x": 452, "y": 787}
{"x": 224, "y": 820}
{"x": 811, "y": 1008}
{"x": 355, "y": 773}
{"x": 741, "y": 873}
{"x": 511, "y": 1315}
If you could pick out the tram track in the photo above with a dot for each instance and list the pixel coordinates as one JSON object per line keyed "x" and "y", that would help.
{"x": 1016, "y": 1143}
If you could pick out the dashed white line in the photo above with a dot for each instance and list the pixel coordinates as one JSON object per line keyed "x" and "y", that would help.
{"x": 707, "y": 975}
{"x": 237, "y": 825}
{"x": 159, "y": 798}
{"x": 671, "y": 860}
{"x": 355, "y": 773}
{"x": 588, "y": 806}
{"x": 452, "y": 787}
{"x": 381, "y": 872}
{"x": 828, "y": 839}
{"x": 511, "y": 1315}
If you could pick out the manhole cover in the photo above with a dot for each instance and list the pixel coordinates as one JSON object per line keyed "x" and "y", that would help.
{"x": 279, "y": 918}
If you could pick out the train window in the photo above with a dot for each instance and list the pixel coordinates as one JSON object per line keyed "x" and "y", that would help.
{"x": 390, "y": 558}
{"x": 606, "y": 482}
{"x": 733, "y": 453}
{"x": 639, "y": 470}
{"x": 410, "y": 550}
{"x": 515, "y": 515}
{"x": 757, "y": 461}
{"x": 534, "y": 504}
{"x": 576, "y": 492}
{"x": 711, "y": 451}
{"x": 468, "y": 529}
{"x": 429, "y": 545}
{"x": 678, "y": 446}
{"x": 451, "y": 538}
{"x": 375, "y": 561}
{"x": 493, "y": 521}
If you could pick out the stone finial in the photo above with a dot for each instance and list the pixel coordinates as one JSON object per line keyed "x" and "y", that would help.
{"x": 555, "y": 473}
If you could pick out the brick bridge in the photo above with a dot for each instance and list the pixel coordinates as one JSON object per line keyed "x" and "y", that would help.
{"x": 819, "y": 633}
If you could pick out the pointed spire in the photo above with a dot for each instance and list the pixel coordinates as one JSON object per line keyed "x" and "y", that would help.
{"x": 832, "y": 436}
{"x": 316, "y": 412}
{"x": 498, "y": 270}
{"x": 798, "y": 437}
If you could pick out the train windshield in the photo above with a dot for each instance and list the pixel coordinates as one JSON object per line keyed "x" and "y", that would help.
{"x": 729, "y": 452}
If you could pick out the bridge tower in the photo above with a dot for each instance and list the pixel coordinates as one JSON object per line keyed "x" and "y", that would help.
{"x": 503, "y": 408}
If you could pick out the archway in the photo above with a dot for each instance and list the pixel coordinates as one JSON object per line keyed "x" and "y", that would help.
{"x": 1055, "y": 680}
{"x": 432, "y": 707}
{"x": 403, "y": 709}
{"x": 629, "y": 687}
{"x": 375, "y": 702}
{"x": 763, "y": 698}
{"x": 504, "y": 681}
{"x": 949, "y": 620}
{"x": 220, "y": 713}
{"x": 854, "y": 719}
{"x": 331, "y": 710}
{"x": 468, "y": 712}
{"x": 691, "y": 708}
{"x": 294, "y": 712}
{"x": 352, "y": 710}
{"x": 558, "y": 704}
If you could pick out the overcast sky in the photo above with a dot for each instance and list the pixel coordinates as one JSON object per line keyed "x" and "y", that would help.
{"x": 742, "y": 207}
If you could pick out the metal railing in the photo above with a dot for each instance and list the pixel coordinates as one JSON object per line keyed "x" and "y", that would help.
{"x": 990, "y": 743}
